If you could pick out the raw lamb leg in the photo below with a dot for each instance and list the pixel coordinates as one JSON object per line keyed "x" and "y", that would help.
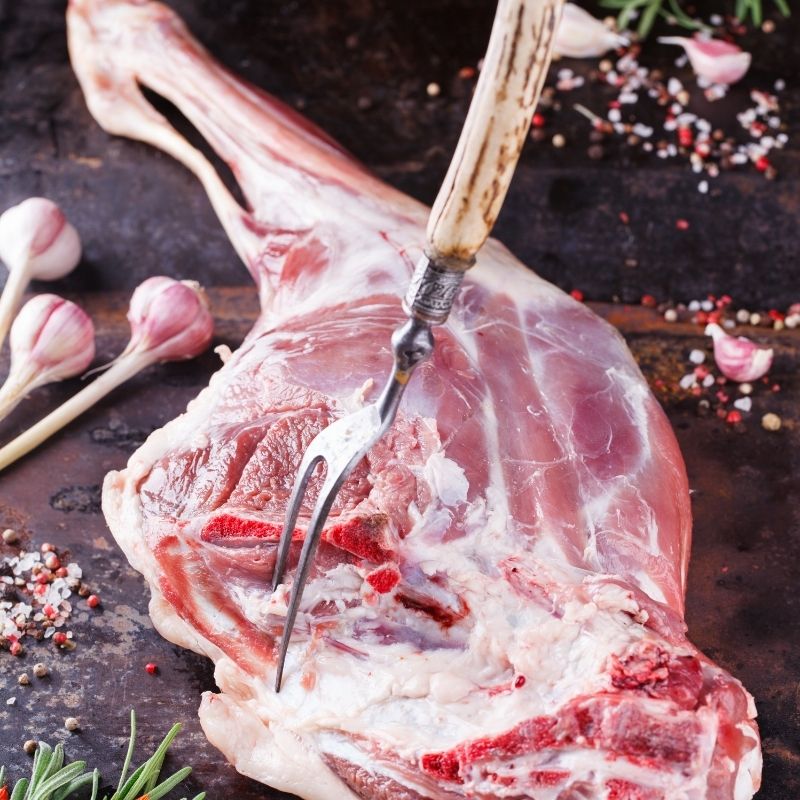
{"x": 496, "y": 608}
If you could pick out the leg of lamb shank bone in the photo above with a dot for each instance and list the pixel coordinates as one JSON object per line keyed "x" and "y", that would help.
{"x": 496, "y": 608}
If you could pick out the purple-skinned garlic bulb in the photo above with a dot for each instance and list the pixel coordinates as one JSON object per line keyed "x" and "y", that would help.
{"x": 580, "y": 35}
{"x": 36, "y": 243}
{"x": 51, "y": 339}
{"x": 737, "y": 357}
{"x": 713, "y": 59}
{"x": 170, "y": 321}
{"x": 170, "y": 318}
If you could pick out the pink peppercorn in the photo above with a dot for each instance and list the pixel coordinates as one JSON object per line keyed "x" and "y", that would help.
{"x": 682, "y": 224}
{"x": 92, "y": 601}
{"x": 577, "y": 294}
{"x": 60, "y": 639}
{"x": 15, "y": 649}
{"x": 151, "y": 669}
{"x": 733, "y": 417}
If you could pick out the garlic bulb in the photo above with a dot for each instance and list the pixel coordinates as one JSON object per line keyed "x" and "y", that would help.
{"x": 737, "y": 357}
{"x": 713, "y": 59}
{"x": 170, "y": 321}
{"x": 36, "y": 243}
{"x": 580, "y": 35}
{"x": 170, "y": 318}
{"x": 52, "y": 339}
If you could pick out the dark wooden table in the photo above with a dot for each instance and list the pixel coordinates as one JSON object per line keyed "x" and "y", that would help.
{"x": 743, "y": 599}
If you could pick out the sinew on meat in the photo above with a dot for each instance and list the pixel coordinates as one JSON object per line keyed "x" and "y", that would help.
{"x": 496, "y": 608}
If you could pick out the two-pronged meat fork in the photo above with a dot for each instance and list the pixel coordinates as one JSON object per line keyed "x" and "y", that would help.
{"x": 460, "y": 222}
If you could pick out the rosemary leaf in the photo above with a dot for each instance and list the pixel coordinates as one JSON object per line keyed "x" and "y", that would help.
{"x": 129, "y": 755}
{"x": 783, "y": 7}
{"x": 648, "y": 18}
{"x": 20, "y": 789}
{"x": 157, "y": 760}
{"x": 73, "y": 786}
{"x": 58, "y": 780}
{"x": 169, "y": 784}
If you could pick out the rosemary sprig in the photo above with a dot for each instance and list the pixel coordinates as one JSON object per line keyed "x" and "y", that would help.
{"x": 650, "y": 10}
{"x": 51, "y": 780}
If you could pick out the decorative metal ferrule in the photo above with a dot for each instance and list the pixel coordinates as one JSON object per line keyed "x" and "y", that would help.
{"x": 433, "y": 290}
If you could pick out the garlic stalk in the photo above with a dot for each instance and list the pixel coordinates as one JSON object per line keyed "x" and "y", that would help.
{"x": 36, "y": 243}
{"x": 170, "y": 321}
{"x": 51, "y": 340}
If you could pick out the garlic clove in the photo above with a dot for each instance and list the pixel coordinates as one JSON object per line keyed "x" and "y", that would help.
{"x": 36, "y": 236}
{"x": 713, "y": 59}
{"x": 170, "y": 319}
{"x": 737, "y": 357}
{"x": 580, "y": 35}
{"x": 53, "y": 336}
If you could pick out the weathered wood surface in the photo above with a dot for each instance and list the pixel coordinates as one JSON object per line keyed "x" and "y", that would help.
{"x": 743, "y": 601}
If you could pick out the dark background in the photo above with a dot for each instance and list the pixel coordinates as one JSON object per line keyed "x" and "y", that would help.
{"x": 359, "y": 68}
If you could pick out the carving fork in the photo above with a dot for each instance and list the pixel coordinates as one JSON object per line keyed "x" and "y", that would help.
{"x": 462, "y": 217}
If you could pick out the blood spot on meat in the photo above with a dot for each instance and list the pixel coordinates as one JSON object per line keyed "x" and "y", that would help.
{"x": 542, "y": 778}
{"x": 660, "y": 674}
{"x": 363, "y": 537}
{"x": 624, "y": 790}
{"x": 385, "y": 579}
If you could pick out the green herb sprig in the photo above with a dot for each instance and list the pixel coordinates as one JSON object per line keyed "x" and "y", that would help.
{"x": 650, "y": 10}
{"x": 52, "y": 780}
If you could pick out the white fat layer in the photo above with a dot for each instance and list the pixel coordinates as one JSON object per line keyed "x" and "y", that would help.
{"x": 446, "y": 479}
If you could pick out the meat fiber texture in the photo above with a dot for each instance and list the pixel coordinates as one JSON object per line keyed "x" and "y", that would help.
{"x": 496, "y": 609}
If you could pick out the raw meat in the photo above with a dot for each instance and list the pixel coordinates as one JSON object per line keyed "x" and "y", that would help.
{"x": 496, "y": 609}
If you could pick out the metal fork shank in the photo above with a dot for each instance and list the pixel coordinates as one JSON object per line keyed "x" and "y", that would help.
{"x": 428, "y": 301}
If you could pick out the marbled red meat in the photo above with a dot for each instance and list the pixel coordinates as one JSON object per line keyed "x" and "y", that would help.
{"x": 496, "y": 608}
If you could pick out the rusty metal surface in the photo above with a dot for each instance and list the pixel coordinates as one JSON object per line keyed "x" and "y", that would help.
{"x": 743, "y": 600}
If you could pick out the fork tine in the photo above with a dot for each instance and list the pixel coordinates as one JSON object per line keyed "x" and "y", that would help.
{"x": 321, "y": 511}
{"x": 292, "y": 512}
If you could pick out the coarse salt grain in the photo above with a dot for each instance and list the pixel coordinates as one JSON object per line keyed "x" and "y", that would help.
{"x": 702, "y": 187}
{"x": 697, "y": 356}
{"x": 743, "y": 403}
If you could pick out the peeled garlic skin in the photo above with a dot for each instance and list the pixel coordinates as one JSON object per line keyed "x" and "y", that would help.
{"x": 52, "y": 337}
{"x": 170, "y": 319}
{"x": 580, "y": 35}
{"x": 713, "y": 59}
{"x": 36, "y": 236}
{"x": 738, "y": 358}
